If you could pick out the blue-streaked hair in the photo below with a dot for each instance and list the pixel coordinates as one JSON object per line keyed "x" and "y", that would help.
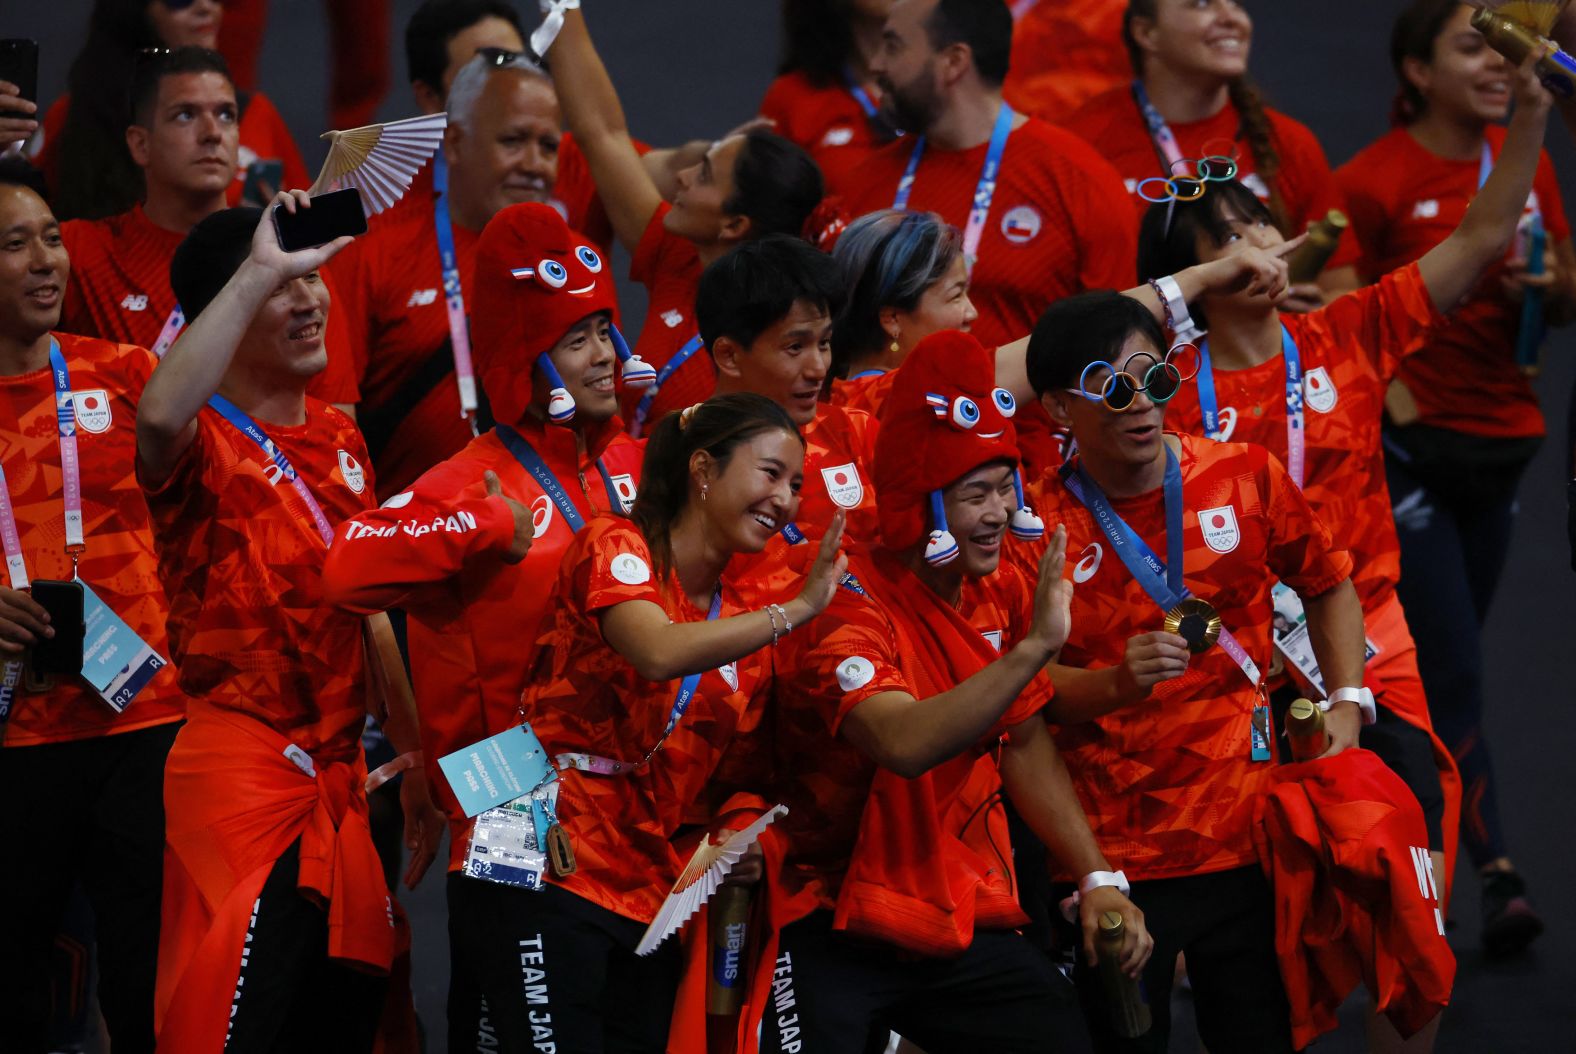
{"x": 888, "y": 259}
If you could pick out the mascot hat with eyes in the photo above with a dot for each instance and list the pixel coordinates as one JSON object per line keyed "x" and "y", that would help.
{"x": 535, "y": 280}
{"x": 943, "y": 419}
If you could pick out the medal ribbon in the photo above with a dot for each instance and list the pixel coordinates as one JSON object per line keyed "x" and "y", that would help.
{"x": 862, "y": 97}
{"x": 532, "y": 462}
{"x": 984, "y": 191}
{"x": 172, "y": 330}
{"x": 600, "y": 766}
{"x": 1296, "y": 434}
{"x": 453, "y": 295}
{"x": 71, "y": 487}
{"x": 253, "y": 431}
{"x": 1163, "y": 582}
{"x": 862, "y": 374}
{"x": 643, "y": 408}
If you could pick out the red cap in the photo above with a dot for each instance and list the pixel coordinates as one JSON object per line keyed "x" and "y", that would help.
{"x": 943, "y": 418}
{"x": 535, "y": 280}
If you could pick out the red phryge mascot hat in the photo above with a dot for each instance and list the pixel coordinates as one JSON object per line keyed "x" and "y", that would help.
{"x": 535, "y": 279}
{"x": 944, "y": 418}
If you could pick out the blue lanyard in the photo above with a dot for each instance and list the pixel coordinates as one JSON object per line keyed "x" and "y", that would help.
{"x": 687, "y": 686}
{"x": 1160, "y": 134}
{"x": 862, "y": 374}
{"x": 984, "y": 191}
{"x": 253, "y": 431}
{"x": 1162, "y": 581}
{"x": 453, "y": 294}
{"x": 1296, "y": 436}
{"x": 680, "y": 357}
{"x": 862, "y": 97}
{"x": 532, "y": 462}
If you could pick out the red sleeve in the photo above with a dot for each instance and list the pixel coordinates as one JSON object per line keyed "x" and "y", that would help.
{"x": 1369, "y": 213}
{"x": 198, "y": 477}
{"x": 1104, "y": 222}
{"x": 614, "y": 567}
{"x": 1299, "y": 549}
{"x": 777, "y": 105}
{"x": 420, "y": 538}
{"x": 849, "y": 655}
{"x": 656, "y": 244}
{"x": 1388, "y": 320}
{"x": 339, "y": 382}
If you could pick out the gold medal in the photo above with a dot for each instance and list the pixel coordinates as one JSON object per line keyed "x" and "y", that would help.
{"x": 1196, "y": 622}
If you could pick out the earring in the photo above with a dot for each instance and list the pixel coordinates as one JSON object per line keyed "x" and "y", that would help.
{"x": 896, "y": 347}
{"x": 704, "y": 488}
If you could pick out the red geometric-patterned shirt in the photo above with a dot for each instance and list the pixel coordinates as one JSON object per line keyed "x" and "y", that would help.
{"x": 1167, "y": 783}
{"x": 119, "y": 564}
{"x": 1405, "y": 200}
{"x": 585, "y": 697}
{"x": 120, "y": 290}
{"x": 1349, "y": 351}
{"x": 242, "y": 563}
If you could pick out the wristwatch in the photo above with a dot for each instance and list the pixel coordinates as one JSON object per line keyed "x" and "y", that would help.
{"x": 1363, "y": 697}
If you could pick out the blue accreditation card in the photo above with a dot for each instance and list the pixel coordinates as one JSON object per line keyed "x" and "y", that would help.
{"x": 115, "y": 661}
{"x": 1262, "y": 734}
{"x": 499, "y": 769}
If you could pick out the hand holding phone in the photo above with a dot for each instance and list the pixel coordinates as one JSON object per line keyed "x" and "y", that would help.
{"x": 60, "y": 654}
{"x": 328, "y": 216}
{"x": 18, "y": 90}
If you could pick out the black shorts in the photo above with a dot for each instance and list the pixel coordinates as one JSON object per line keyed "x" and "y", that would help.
{"x": 831, "y": 994}
{"x": 1225, "y": 923}
{"x": 554, "y": 971}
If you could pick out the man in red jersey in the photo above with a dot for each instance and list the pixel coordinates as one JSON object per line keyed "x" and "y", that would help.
{"x": 903, "y": 720}
{"x": 83, "y": 762}
{"x": 1159, "y": 706}
{"x": 184, "y": 136}
{"x": 475, "y": 594}
{"x": 274, "y": 895}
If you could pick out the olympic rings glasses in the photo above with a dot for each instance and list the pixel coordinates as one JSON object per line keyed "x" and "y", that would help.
{"x": 1214, "y": 168}
{"x": 1161, "y": 378}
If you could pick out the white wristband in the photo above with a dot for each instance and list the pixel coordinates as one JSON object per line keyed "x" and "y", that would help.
{"x": 1092, "y": 881}
{"x": 1363, "y": 697}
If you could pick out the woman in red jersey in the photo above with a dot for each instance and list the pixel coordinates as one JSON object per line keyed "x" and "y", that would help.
{"x": 82, "y": 149}
{"x": 906, "y": 279}
{"x": 646, "y": 661}
{"x": 1192, "y": 97}
{"x": 1463, "y": 419}
{"x": 746, "y": 186}
{"x": 824, "y": 97}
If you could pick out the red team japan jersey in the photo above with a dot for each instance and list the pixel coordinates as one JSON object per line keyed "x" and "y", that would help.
{"x": 863, "y": 393}
{"x": 242, "y": 563}
{"x": 119, "y": 565}
{"x": 826, "y": 119}
{"x": 120, "y": 290}
{"x": 851, "y": 652}
{"x": 669, "y": 268}
{"x": 583, "y": 696}
{"x": 471, "y": 616}
{"x": 1115, "y": 125}
{"x": 264, "y": 137}
{"x": 1167, "y": 783}
{"x": 1405, "y": 200}
{"x": 391, "y": 284}
{"x": 1349, "y": 351}
{"x": 1057, "y": 222}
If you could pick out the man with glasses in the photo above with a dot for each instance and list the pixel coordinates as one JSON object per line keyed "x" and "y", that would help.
{"x": 1160, "y": 709}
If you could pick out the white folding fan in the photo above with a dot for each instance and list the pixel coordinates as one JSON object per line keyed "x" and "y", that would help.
{"x": 379, "y": 160}
{"x": 704, "y": 873}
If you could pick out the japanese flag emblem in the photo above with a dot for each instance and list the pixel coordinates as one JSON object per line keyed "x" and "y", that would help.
{"x": 1319, "y": 390}
{"x": 844, "y": 486}
{"x": 625, "y": 486}
{"x": 355, "y": 475}
{"x": 1220, "y": 528}
{"x": 92, "y": 410}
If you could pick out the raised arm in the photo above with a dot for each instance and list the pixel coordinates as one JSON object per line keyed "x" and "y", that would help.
{"x": 661, "y": 650}
{"x": 1451, "y": 268}
{"x": 911, "y": 736}
{"x": 193, "y": 369}
{"x": 596, "y": 118}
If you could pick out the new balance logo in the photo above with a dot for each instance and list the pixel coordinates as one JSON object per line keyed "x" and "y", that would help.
{"x": 1427, "y": 886}
{"x": 1426, "y": 210}
{"x": 422, "y": 297}
{"x": 672, "y": 319}
{"x": 134, "y": 302}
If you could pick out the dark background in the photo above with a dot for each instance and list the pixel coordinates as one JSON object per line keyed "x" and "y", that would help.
{"x": 691, "y": 68}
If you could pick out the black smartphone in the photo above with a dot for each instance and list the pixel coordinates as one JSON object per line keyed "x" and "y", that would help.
{"x": 263, "y": 180}
{"x": 19, "y": 65}
{"x": 62, "y": 653}
{"x": 331, "y": 216}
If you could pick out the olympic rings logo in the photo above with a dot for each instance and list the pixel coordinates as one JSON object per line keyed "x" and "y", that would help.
{"x": 1162, "y": 378}
{"x": 1212, "y": 168}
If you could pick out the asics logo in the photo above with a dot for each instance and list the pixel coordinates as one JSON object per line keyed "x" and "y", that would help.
{"x": 1089, "y": 563}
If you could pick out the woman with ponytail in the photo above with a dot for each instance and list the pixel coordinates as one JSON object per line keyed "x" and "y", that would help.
{"x": 648, "y": 656}
{"x": 1192, "y": 97}
{"x": 1462, "y": 419}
